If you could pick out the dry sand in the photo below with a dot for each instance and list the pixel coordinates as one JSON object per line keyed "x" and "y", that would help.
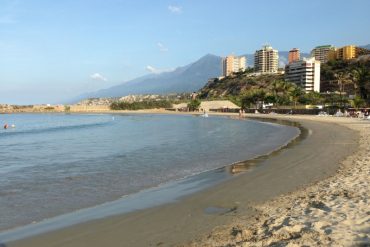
{"x": 249, "y": 209}
{"x": 332, "y": 212}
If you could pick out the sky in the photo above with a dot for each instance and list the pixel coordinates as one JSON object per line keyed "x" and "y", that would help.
{"x": 51, "y": 51}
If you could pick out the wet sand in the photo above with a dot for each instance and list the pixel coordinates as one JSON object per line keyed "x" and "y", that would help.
{"x": 331, "y": 212}
{"x": 315, "y": 158}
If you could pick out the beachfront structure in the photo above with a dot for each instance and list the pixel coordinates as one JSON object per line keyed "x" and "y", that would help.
{"x": 321, "y": 53}
{"x": 266, "y": 60}
{"x": 232, "y": 64}
{"x": 294, "y": 55}
{"x": 305, "y": 73}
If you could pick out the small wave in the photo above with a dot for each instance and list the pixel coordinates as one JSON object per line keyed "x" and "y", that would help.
{"x": 53, "y": 129}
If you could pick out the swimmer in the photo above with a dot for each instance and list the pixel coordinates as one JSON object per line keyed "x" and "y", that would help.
{"x": 6, "y": 126}
{"x": 13, "y": 126}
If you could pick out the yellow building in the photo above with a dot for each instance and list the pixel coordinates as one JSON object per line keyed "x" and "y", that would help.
{"x": 344, "y": 53}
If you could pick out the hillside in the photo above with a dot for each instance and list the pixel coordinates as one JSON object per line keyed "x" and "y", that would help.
{"x": 346, "y": 77}
{"x": 354, "y": 76}
{"x": 188, "y": 78}
{"x": 236, "y": 85}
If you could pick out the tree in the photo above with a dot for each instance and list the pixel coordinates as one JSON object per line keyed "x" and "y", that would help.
{"x": 295, "y": 93}
{"x": 342, "y": 80}
{"x": 361, "y": 78}
{"x": 358, "y": 102}
{"x": 194, "y": 104}
{"x": 253, "y": 97}
{"x": 314, "y": 98}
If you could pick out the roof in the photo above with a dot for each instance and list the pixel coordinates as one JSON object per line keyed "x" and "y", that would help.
{"x": 215, "y": 104}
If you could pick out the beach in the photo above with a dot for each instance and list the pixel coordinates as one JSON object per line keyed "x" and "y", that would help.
{"x": 305, "y": 193}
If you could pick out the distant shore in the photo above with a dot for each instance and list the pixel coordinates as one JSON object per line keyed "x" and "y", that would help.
{"x": 232, "y": 204}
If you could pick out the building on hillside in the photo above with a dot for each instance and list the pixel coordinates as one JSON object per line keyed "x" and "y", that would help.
{"x": 321, "y": 53}
{"x": 294, "y": 55}
{"x": 304, "y": 73}
{"x": 266, "y": 60}
{"x": 344, "y": 53}
{"x": 232, "y": 64}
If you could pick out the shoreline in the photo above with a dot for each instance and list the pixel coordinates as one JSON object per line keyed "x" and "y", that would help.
{"x": 190, "y": 212}
{"x": 330, "y": 212}
{"x": 168, "y": 192}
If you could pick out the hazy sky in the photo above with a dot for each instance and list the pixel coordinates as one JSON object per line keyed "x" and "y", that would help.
{"x": 53, "y": 50}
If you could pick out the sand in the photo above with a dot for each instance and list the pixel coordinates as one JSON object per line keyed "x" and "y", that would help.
{"x": 332, "y": 212}
{"x": 286, "y": 198}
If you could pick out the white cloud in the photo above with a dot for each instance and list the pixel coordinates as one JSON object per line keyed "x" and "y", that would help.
{"x": 153, "y": 70}
{"x": 161, "y": 47}
{"x": 175, "y": 9}
{"x": 98, "y": 77}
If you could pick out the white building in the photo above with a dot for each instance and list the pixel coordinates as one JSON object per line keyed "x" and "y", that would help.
{"x": 305, "y": 73}
{"x": 322, "y": 52}
{"x": 266, "y": 60}
{"x": 232, "y": 64}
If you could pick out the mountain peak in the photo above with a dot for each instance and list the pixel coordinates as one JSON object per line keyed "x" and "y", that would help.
{"x": 209, "y": 55}
{"x": 188, "y": 78}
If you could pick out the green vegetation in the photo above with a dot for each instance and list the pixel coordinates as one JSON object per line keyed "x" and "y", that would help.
{"x": 194, "y": 105}
{"x": 343, "y": 84}
{"x": 150, "y": 104}
{"x": 347, "y": 78}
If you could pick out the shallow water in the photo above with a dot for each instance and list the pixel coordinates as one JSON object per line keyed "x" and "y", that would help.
{"x": 52, "y": 164}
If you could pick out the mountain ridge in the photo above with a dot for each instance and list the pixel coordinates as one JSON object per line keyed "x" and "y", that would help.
{"x": 187, "y": 78}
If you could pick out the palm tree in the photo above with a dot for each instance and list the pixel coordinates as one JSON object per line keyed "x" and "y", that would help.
{"x": 358, "y": 102}
{"x": 280, "y": 89}
{"x": 361, "y": 78}
{"x": 295, "y": 92}
{"x": 314, "y": 98}
{"x": 342, "y": 80}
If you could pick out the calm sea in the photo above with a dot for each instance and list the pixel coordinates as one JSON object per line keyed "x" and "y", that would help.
{"x": 51, "y": 164}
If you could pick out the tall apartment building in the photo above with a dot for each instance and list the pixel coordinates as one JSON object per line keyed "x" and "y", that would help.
{"x": 305, "y": 73}
{"x": 266, "y": 60}
{"x": 321, "y": 53}
{"x": 232, "y": 64}
{"x": 344, "y": 53}
{"x": 294, "y": 55}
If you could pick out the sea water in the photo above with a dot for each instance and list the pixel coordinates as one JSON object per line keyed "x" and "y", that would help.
{"x": 51, "y": 164}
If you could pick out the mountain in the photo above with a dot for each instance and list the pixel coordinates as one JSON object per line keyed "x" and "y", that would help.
{"x": 188, "y": 78}
{"x": 366, "y": 46}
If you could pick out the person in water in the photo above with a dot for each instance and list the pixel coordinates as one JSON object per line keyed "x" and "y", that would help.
{"x": 6, "y": 126}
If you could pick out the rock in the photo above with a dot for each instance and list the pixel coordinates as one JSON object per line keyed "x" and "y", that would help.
{"x": 247, "y": 234}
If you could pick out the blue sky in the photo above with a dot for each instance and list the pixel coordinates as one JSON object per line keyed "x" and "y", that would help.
{"x": 54, "y": 50}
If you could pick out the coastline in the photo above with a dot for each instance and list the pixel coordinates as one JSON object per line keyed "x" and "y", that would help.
{"x": 163, "y": 193}
{"x": 331, "y": 212}
{"x": 182, "y": 221}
